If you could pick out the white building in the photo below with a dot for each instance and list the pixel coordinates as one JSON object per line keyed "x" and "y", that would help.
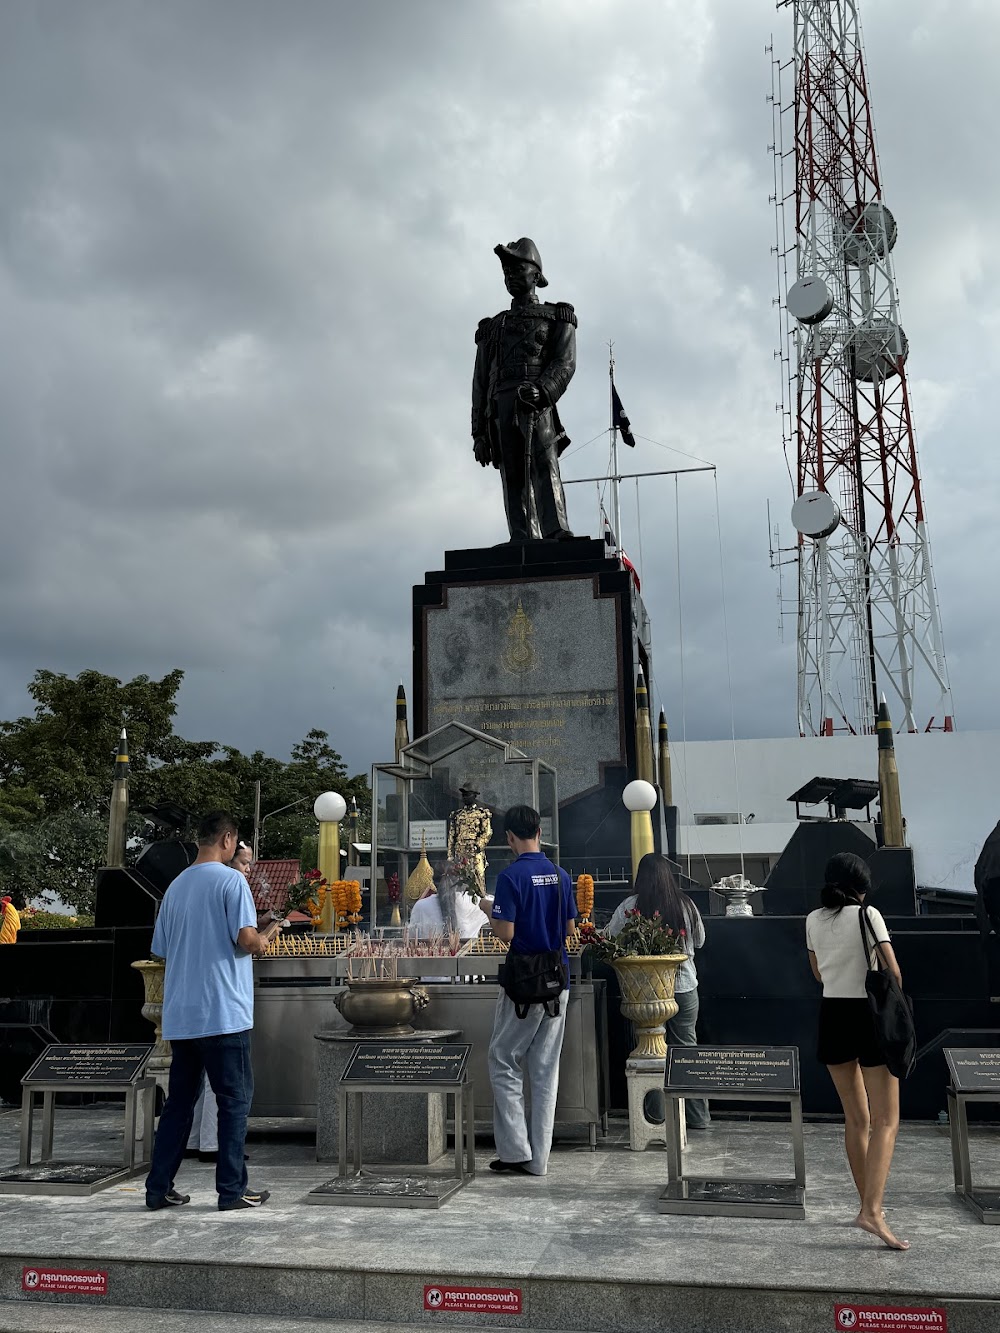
{"x": 949, "y": 788}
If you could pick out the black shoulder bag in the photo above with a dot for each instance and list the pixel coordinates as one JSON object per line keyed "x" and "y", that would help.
{"x": 536, "y": 978}
{"x": 890, "y": 1008}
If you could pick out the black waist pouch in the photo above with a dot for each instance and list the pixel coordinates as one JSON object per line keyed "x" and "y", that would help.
{"x": 534, "y": 978}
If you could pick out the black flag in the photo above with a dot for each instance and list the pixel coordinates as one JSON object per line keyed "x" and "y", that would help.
{"x": 620, "y": 419}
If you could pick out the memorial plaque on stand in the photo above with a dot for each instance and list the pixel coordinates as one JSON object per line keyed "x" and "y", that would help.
{"x": 70, "y": 1066}
{"x": 399, "y": 1064}
{"x": 62, "y": 1068}
{"x": 975, "y": 1077}
{"x": 738, "y": 1074}
{"x": 974, "y": 1070}
{"x": 381, "y": 1068}
{"x": 719, "y": 1069}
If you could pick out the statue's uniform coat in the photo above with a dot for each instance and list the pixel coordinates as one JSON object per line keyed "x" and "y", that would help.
{"x": 534, "y": 342}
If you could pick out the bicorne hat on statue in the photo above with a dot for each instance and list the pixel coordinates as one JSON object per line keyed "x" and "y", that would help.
{"x": 524, "y": 249}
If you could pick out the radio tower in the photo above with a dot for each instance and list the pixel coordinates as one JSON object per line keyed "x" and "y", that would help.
{"x": 868, "y": 618}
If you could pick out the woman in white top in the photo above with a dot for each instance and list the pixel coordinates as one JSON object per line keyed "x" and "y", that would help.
{"x": 449, "y": 910}
{"x": 658, "y": 892}
{"x": 869, "y": 1094}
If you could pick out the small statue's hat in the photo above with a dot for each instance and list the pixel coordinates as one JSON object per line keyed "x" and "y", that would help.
{"x": 524, "y": 249}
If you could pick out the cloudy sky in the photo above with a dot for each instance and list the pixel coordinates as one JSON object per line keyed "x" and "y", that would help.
{"x": 244, "y": 247}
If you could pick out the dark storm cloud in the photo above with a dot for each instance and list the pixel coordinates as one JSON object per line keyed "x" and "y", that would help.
{"x": 244, "y": 250}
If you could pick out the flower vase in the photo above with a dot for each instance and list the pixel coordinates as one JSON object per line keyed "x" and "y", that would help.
{"x": 647, "y": 986}
{"x": 395, "y": 919}
{"x": 152, "y": 971}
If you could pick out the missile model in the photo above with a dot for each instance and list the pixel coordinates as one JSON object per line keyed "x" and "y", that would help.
{"x": 402, "y": 730}
{"x": 666, "y": 781}
{"x": 119, "y": 806}
{"x": 888, "y": 781}
{"x": 643, "y": 732}
{"x": 352, "y": 827}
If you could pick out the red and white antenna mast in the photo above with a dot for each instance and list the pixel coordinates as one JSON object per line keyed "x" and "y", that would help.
{"x": 868, "y": 618}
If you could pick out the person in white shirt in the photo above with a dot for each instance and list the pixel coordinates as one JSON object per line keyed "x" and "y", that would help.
{"x": 656, "y": 890}
{"x": 848, "y": 1046}
{"x": 448, "y": 910}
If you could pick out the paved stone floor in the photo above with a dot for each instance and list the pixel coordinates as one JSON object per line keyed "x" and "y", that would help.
{"x": 592, "y": 1219}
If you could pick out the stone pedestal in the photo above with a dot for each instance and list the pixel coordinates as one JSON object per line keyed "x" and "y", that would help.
{"x": 538, "y": 644}
{"x": 647, "y": 1076}
{"x": 398, "y": 1128}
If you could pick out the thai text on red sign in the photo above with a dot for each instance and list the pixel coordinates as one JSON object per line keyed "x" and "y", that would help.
{"x": 77, "y": 1281}
{"x": 473, "y": 1300}
{"x": 886, "y": 1319}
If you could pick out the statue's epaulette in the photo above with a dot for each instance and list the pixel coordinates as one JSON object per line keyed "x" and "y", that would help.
{"x": 481, "y": 329}
{"x": 565, "y": 312}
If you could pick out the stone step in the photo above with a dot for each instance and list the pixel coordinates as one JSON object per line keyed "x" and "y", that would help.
{"x": 27, "y": 1317}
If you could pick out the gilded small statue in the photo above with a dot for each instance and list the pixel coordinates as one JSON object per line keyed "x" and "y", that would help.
{"x": 469, "y": 831}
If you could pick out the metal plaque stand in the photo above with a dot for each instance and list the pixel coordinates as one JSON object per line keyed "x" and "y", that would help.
{"x": 984, "y": 1200}
{"x": 733, "y": 1196}
{"x": 355, "y": 1184}
{"x": 62, "y": 1177}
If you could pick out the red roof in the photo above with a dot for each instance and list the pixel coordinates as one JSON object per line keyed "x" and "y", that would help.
{"x": 270, "y": 882}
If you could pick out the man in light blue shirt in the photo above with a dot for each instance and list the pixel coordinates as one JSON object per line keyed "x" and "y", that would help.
{"x": 207, "y": 931}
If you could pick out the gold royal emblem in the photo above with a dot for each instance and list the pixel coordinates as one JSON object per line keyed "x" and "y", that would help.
{"x": 518, "y": 656}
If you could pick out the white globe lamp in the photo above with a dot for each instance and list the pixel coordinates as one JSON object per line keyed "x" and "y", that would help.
{"x": 330, "y": 807}
{"x": 639, "y": 795}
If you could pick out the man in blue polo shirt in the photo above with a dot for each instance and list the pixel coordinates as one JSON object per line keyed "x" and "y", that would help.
{"x": 533, "y": 911}
{"x": 206, "y": 930}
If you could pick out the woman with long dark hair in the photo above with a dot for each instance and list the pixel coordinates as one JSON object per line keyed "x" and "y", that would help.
{"x": 657, "y": 893}
{"x": 848, "y": 1045}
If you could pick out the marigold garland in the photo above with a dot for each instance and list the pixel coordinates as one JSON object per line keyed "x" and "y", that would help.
{"x": 314, "y": 906}
{"x": 585, "y": 896}
{"x": 346, "y": 902}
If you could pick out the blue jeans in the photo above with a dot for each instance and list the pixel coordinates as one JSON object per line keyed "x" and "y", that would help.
{"x": 225, "y": 1061}
{"x": 681, "y": 1032}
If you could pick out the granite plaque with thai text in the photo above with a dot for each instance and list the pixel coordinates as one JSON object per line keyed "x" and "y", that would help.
{"x": 973, "y": 1070}
{"x": 401, "y": 1064}
{"x": 732, "y": 1069}
{"x": 76, "y": 1065}
{"x": 535, "y": 664}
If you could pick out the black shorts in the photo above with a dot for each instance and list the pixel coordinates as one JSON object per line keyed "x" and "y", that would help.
{"x": 847, "y": 1032}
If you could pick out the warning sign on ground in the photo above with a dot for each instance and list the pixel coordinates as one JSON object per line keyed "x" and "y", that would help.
{"x": 77, "y": 1281}
{"x": 888, "y": 1319}
{"x": 474, "y": 1300}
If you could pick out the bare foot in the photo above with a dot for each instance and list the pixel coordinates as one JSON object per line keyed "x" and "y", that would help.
{"x": 877, "y": 1226}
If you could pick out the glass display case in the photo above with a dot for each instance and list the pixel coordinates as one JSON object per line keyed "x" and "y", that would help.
{"x": 413, "y": 798}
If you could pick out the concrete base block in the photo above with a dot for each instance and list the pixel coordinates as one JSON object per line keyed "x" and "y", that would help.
{"x": 647, "y": 1076}
{"x": 398, "y": 1128}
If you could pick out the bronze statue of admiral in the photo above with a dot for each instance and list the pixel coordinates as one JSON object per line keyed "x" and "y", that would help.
{"x": 525, "y": 358}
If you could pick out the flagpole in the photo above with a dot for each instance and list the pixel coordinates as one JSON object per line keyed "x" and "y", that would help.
{"x": 615, "y": 505}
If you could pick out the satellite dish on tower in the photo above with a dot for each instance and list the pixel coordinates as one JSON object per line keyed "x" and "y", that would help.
{"x": 874, "y": 350}
{"x": 869, "y": 234}
{"x": 815, "y": 514}
{"x": 809, "y": 300}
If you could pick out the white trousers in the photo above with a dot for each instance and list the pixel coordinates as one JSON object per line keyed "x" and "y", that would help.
{"x": 204, "y": 1134}
{"x": 520, "y": 1046}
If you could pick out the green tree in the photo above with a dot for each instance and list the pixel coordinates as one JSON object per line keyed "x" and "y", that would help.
{"x": 314, "y": 767}
{"x": 56, "y": 770}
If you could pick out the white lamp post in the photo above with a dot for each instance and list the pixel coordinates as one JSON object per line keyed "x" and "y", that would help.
{"x": 329, "y": 808}
{"x": 639, "y": 798}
